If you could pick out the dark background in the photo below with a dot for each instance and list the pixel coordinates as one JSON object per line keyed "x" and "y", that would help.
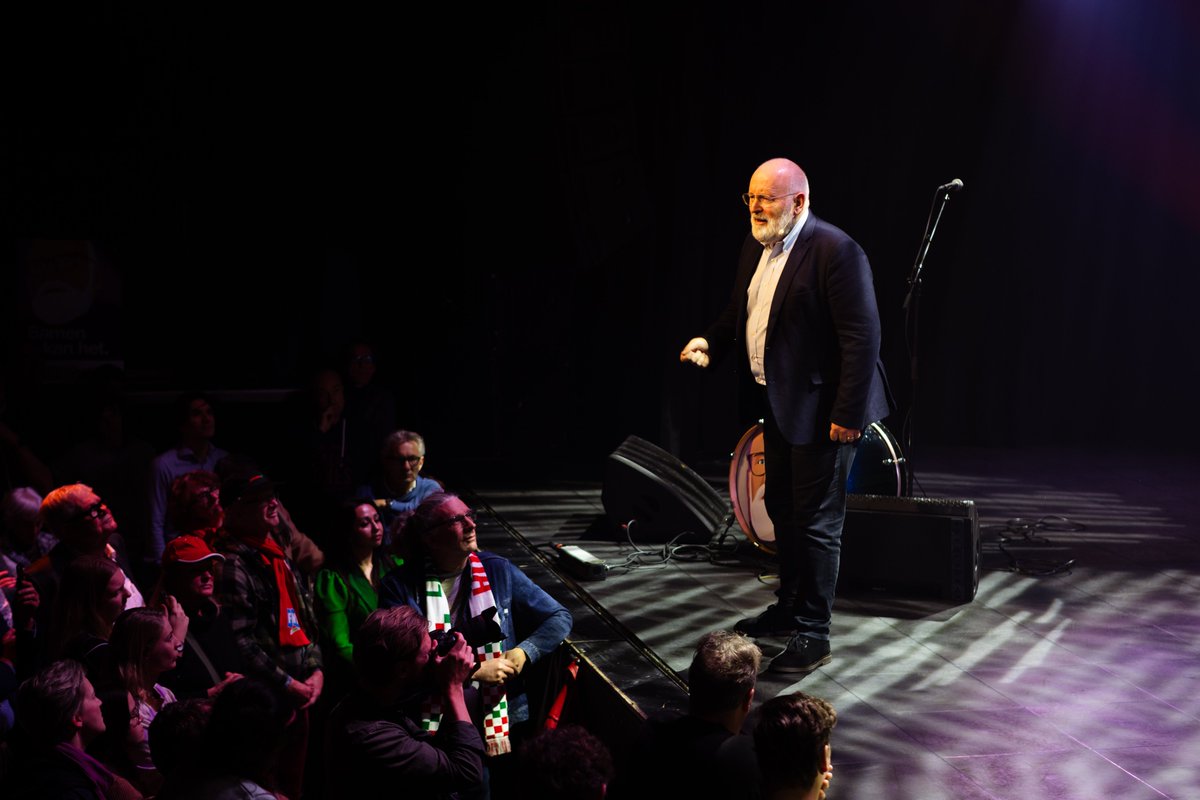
{"x": 531, "y": 209}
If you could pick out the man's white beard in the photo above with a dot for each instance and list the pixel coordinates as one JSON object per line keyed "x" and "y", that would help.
{"x": 773, "y": 231}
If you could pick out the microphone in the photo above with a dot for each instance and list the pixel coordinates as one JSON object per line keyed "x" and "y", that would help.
{"x": 952, "y": 186}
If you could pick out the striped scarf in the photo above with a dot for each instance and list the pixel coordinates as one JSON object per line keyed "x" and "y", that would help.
{"x": 495, "y": 700}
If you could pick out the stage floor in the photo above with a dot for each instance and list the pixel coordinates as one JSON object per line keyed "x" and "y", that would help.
{"x": 1081, "y": 682}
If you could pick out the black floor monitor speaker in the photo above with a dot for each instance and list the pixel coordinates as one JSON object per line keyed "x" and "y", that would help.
{"x": 916, "y": 546}
{"x": 661, "y": 496}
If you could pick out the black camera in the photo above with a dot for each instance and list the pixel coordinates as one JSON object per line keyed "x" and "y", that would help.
{"x": 443, "y": 640}
{"x": 476, "y": 631}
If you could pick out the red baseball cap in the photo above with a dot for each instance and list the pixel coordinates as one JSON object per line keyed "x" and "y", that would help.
{"x": 188, "y": 549}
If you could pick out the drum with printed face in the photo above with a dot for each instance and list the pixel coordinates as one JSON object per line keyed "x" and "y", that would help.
{"x": 879, "y": 468}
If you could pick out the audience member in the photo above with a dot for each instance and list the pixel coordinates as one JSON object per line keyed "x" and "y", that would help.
{"x": 21, "y": 543}
{"x": 704, "y": 752}
{"x": 58, "y": 715}
{"x": 83, "y": 525}
{"x": 195, "y": 425}
{"x": 245, "y": 739}
{"x": 347, "y": 589}
{"x": 123, "y": 737}
{"x": 399, "y": 487}
{"x": 509, "y": 620}
{"x": 298, "y": 546}
{"x": 144, "y": 647}
{"x": 22, "y": 540}
{"x": 385, "y": 732}
{"x": 370, "y": 409}
{"x": 210, "y": 659}
{"x": 8, "y": 687}
{"x": 566, "y": 763}
{"x": 176, "y": 744}
{"x": 92, "y": 596}
{"x": 194, "y": 504}
{"x": 319, "y": 474}
{"x": 791, "y": 739}
{"x": 270, "y": 610}
{"x": 21, "y": 645}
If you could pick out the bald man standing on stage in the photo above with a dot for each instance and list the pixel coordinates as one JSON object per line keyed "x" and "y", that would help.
{"x": 804, "y": 321}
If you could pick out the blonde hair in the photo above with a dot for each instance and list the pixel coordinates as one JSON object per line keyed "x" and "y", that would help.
{"x": 47, "y": 702}
{"x": 61, "y": 505}
{"x": 136, "y": 631}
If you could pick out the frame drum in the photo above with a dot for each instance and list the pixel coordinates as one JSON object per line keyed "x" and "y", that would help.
{"x": 879, "y": 468}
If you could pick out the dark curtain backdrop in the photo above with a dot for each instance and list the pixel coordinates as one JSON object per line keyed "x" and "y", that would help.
{"x": 532, "y": 209}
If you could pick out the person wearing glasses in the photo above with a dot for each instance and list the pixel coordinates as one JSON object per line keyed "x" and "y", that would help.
{"x": 270, "y": 606}
{"x": 509, "y": 621}
{"x": 84, "y": 526}
{"x": 399, "y": 487}
{"x": 804, "y": 325}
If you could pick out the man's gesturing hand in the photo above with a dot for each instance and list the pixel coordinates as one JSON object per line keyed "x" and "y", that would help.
{"x": 696, "y": 351}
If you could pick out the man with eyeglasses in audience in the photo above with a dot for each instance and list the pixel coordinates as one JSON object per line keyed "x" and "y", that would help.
{"x": 804, "y": 325}
{"x": 509, "y": 621}
{"x": 83, "y": 525}
{"x": 399, "y": 487}
{"x": 270, "y": 608}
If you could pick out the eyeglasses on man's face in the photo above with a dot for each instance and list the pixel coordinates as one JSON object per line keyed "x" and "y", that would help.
{"x": 468, "y": 516}
{"x": 406, "y": 459}
{"x": 753, "y": 199}
{"x": 96, "y": 510}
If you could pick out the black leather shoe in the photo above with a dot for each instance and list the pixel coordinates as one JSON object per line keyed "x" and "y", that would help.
{"x": 802, "y": 655}
{"x": 775, "y": 621}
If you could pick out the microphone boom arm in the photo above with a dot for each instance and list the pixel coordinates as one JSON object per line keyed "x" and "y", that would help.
{"x": 931, "y": 223}
{"x": 911, "y": 302}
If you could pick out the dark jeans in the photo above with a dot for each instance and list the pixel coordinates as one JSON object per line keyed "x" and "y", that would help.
{"x": 805, "y": 497}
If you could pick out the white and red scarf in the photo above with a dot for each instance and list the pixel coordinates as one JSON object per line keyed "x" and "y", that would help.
{"x": 437, "y": 610}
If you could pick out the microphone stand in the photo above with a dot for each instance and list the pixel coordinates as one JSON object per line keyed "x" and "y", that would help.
{"x": 912, "y": 301}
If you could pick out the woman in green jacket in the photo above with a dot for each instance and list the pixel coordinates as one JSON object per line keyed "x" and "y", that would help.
{"x": 347, "y": 588}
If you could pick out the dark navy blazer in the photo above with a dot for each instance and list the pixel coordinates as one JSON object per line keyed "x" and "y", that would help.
{"x": 822, "y": 344}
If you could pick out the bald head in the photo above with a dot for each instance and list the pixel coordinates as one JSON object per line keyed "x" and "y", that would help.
{"x": 782, "y": 174}
{"x": 777, "y": 197}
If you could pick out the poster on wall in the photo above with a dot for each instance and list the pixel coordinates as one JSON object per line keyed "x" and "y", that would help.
{"x": 71, "y": 309}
